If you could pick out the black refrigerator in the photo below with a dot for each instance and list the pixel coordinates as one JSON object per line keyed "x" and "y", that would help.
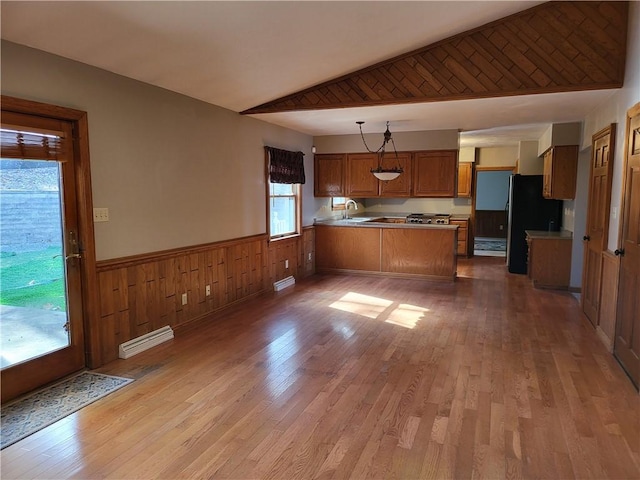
{"x": 528, "y": 210}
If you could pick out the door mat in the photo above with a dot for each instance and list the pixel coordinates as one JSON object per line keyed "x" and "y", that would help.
{"x": 496, "y": 245}
{"x": 24, "y": 416}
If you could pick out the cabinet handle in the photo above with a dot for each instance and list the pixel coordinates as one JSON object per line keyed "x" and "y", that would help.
{"x": 619, "y": 252}
{"x": 586, "y": 238}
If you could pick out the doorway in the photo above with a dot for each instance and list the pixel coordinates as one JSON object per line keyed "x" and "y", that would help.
{"x": 489, "y": 210}
{"x": 43, "y": 248}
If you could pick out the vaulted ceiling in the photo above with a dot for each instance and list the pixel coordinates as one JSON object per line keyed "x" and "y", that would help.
{"x": 241, "y": 54}
{"x": 553, "y": 47}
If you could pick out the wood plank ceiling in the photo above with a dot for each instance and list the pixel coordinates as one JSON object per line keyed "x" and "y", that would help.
{"x": 553, "y": 47}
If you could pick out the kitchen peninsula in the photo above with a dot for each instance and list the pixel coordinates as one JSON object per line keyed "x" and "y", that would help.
{"x": 386, "y": 245}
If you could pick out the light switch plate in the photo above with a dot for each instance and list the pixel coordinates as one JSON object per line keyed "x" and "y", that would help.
{"x": 100, "y": 214}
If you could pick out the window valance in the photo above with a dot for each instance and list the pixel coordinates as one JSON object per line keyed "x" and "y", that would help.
{"x": 285, "y": 166}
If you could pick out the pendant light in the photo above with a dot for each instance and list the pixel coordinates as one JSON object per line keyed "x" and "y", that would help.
{"x": 381, "y": 173}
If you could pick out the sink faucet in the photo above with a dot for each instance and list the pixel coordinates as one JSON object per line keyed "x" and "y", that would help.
{"x": 346, "y": 207}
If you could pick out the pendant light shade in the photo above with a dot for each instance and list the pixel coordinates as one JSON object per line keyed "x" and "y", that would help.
{"x": 381, "y": 173}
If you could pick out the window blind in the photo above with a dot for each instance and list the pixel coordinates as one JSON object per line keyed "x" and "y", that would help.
{"x": 285, "y": 166}
{"x": 20, "y": 143}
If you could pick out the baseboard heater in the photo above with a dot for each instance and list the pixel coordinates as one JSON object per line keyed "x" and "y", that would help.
{"x": 145, "y": 342}
{"x": 284, "y": 283}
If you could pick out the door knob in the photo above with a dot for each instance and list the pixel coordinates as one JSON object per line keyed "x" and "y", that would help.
{"x": 586, "y": 238}
{"x": 619, "y": 252}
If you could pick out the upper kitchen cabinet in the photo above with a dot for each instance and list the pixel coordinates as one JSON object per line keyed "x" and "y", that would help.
{"x": 465, "y": 179}
{"x": 360, "y": 181}
{"x": 434, "y": 173}
{"x": 560, "y": 172}
{"x": 329, "y": 175}
{"x": 401, "y": 186}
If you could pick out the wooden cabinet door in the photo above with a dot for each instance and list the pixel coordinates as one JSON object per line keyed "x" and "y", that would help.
{"x": 465, "y": 178}
{"x": 627, "y": 342}
{"x": 463, "y": 237}
{"x": 401, "y": 186}
{"x": 434, "y": 173}
{"x": 548, "y": 167}
{"x": 329, "y": 175}
{"x": 360, "y": 181}
{"x": 560, "y": 172}
{"x": 597, "y": 230}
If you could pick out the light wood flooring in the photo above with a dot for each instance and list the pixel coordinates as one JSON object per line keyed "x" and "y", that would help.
{"x": 362, "y": 377}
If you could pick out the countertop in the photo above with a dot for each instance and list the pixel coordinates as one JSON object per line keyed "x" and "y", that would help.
{"x": 562, "y": 234}
{"x": 369, "y": 222}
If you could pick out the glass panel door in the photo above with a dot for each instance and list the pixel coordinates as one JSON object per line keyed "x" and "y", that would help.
{"x": 33, "y": 304}
{"x": 41, "y": 312}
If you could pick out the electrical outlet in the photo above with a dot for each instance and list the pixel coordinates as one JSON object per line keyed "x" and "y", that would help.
{"x": 207, "y": 290}
{"x": 309, "y": 257}
{"x": 100, "y": 214}
{"x": 286, "y": 264}
{"x": 501, "y": 227}
{"x": 184, "y": 298}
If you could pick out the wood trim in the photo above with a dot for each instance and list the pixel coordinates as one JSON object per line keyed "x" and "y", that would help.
{"x": 134, "y": 260}
{"x": 85, "y": 211}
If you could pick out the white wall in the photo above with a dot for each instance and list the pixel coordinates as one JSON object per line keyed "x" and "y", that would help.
{"x": 173, "y": 171}
{"x": 614, "y": 110}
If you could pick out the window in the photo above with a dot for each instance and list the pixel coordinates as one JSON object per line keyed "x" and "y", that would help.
{"x": 284, "y": 206}
{"x": 337, "y": 203}
{"x": 285, "y": 174}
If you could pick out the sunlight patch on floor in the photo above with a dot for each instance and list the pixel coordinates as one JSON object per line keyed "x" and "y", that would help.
{"x": 404, "y": 315}
{"x": 365, "y": 305}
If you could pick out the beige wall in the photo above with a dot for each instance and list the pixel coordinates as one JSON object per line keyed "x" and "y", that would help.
{"x": 405, "y": 141}
{"x": 497, "y": 156}
{"x": 560, "y": 134}
{"x": 173, "y": 171}
{"x": 529, "y": 163}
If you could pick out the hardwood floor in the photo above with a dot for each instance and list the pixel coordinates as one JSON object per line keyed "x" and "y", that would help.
{"x": 363, "y": 377}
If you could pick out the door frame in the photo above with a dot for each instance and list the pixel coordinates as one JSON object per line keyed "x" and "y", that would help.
{"x": 90, "y": 299}
{"x": 609, "y": 130}
{"x": 474, "y": 192}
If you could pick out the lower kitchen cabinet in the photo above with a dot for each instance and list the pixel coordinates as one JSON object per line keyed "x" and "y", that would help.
{"x": 394, "y": 250}
{"x": 549, "y": 258}
{"x": 464, "y": 242}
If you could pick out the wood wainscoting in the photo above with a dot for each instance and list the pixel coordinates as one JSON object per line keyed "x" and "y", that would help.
{"x": 606, "y": 327}
{"x": 491, "y": 223}
{"x": 142, "y": 293}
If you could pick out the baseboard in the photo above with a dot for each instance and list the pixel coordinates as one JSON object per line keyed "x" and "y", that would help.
{"x": 284, "y": 283}
{"x": 145, "y": 342}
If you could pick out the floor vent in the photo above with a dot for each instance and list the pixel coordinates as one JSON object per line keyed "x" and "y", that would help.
{"x": 145, "y": 342}
{"x": 284, "y": 283}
